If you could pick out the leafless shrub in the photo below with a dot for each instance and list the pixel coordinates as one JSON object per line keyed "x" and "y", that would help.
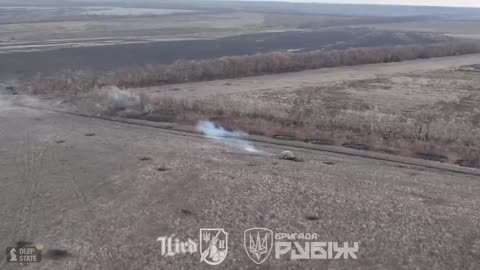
{"x": 74, "y": 82}
{"x": 68, "y": 82}
{"x": 420, "y": 133}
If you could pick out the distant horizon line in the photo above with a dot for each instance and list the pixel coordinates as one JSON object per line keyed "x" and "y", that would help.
{"x": 364, "y": 4}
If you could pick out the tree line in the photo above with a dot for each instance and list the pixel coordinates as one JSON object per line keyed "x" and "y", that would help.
{"x": 241, "y": 66}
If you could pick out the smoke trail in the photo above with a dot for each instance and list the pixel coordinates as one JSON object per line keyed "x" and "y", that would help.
{"x": 120, "y": 99}
{"x": 20, "y": 102}
{"x": 218, "y": 133}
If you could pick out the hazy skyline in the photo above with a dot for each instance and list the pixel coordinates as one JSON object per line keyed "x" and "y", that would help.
{"x": 451, "y": 3}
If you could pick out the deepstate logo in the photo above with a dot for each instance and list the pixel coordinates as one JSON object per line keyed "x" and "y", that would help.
{"x": 29, "y": 254}
{"x": 259, "y": 243}
{"x": 212, "y": 246}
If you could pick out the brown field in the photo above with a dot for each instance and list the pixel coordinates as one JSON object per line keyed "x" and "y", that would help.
{"x": 455, "y": 28}
{"x": 355, "y": 123}
{"x": 166, "y": 26}
{"x": 424, "y": 108}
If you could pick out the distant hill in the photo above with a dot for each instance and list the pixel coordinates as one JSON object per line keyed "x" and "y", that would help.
{"x": 268, "y": 7}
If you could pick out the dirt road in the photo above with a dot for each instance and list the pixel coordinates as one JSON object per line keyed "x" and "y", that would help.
{"x": 97, "y": 195}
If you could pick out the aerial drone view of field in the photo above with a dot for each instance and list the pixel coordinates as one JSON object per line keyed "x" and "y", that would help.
{"x": 162, "y": 46}
{"x": 50, "y": 37}
{"x": 424, "y": 108}
{"x": 125, "y": 121}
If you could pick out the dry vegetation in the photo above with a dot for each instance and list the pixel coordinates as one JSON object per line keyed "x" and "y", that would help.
{"x": 241, "y": 66}
{"x": 304, "y": 21}
{"x": 422, "y": 134}
{"x": 71, "y": 26}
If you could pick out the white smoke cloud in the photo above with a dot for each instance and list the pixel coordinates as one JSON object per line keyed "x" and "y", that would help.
{"x": 10, "y": 103}
{"x": 120, "y": 99}
{"x": 33, "y": 105}
{"x": 218, "y": 133}
{"x": 4, "y": 104}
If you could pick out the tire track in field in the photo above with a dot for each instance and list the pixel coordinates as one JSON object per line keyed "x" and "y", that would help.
{"x": 71, "y": 178}
{"x": 29, "y": 157}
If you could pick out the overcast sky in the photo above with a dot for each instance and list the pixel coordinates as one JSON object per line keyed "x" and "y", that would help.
{"x": 455, "y": 3}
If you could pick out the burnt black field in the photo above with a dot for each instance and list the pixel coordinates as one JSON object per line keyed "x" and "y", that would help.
{"x": 110, "y": 57}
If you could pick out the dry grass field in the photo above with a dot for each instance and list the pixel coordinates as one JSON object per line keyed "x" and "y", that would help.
{"x": 427, "y": 108}
{"x": 455, "y": 28}
{"x": 170, "y": 25}
{"x": 190, "y": 65}
{"x": 125, "y": 122}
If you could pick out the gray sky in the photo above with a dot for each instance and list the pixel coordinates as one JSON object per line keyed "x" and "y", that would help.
{"x": 456, "y": 3}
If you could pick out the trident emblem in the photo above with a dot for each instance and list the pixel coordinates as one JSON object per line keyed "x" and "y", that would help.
{"x": 258, "y": 243}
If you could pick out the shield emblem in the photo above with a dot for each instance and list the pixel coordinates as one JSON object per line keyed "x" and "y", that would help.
{"x": 213, "y": 246}
{"x": 258, "y": 243}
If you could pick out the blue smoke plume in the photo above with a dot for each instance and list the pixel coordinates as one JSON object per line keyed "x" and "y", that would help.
{"x": 218, "y": 133}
